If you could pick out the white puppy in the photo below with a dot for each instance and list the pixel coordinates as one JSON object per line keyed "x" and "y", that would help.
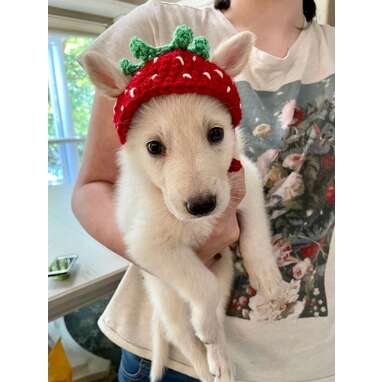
{"x": 173, "y": 185}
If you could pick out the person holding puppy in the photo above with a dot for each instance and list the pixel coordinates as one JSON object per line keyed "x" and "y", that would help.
{"x": 287, "y": 94}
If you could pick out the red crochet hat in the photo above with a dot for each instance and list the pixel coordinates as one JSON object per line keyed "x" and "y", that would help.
{"x": 181, "y": 67}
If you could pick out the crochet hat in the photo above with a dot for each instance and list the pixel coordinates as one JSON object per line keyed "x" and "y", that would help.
{"x": 180, "y": 67}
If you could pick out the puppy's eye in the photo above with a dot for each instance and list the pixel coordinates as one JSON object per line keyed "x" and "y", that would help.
{"x": 155, "y": 148}
{"x": 215, "y": 135}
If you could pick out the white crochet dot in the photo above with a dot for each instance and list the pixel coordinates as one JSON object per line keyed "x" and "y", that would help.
{"x": 187, "y": 75}
{"x": 208, "y": 75}
{"x": 180, "y": 58}
{"x": 228, "y": 89}
{"x": 132, "y": 92}
{"x": 138, "y": 73}
{"x": 122, "y": 107}
{"x": 194, "y": 58}
{"x": 154, "y": 76}
{"x": 155, "y": 60}
{"x": 219, "y": 72}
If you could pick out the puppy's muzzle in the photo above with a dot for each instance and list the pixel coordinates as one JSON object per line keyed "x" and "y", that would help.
{"x": 201, "y": 205}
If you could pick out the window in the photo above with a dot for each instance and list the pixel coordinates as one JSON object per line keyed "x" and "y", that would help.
{"x": 70, "y": 96}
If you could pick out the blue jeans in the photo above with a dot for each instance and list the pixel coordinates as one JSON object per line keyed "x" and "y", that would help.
{"x": 136, "y": 369}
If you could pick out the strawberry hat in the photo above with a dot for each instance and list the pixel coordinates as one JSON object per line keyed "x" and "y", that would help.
{"x": 180, "y": 67}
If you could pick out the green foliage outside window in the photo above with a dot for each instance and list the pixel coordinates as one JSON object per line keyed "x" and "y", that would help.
{"x": 81, "y": 90}
{"x": 51, "y": 129}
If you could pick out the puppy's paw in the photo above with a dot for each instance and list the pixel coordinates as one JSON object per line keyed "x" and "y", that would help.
{"x": 267, "y": 280}
{"x": 218, "y": 363}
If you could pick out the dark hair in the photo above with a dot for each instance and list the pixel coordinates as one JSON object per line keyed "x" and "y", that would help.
{"x": 222, "y": 4}
{"x": 308, "y": 8}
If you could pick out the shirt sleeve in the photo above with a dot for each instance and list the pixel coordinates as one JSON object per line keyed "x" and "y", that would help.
{"x": 114, "y": 42}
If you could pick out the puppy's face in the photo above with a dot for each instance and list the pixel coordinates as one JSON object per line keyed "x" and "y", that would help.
{"x": 184, "y": 144}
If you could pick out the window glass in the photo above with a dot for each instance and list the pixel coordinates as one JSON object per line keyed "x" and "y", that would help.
{"x": 70, "y": 98}
{"x": 81, "y": 90}
{"x": 51, "y": 127}
{"x": 55, "y": 166}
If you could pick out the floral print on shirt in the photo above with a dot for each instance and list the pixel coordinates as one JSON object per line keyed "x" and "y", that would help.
{"x": 290, "y": 136}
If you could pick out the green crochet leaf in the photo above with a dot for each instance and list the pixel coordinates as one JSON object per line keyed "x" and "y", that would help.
{"x": 128, "y": 68}
{"x": 142, "y": 51}
{"x": 200, "y": 47}
{"x": 183, "y": 38}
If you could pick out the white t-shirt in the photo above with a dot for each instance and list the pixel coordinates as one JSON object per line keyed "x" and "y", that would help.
{"x": 288, "y": 121}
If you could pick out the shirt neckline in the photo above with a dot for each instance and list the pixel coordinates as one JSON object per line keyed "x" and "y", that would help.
{"x": 268, "y": 60}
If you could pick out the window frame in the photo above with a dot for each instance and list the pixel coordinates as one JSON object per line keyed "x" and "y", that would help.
{"x": 68, "y": 142}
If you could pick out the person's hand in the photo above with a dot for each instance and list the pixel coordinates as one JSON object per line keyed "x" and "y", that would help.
{"x": 226, "y": 231}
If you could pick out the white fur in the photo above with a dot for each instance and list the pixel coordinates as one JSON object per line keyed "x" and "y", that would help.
{"x": 189, "y": 299}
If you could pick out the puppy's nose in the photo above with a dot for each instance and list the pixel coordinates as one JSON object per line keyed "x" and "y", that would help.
{"x": 201, "y": 205}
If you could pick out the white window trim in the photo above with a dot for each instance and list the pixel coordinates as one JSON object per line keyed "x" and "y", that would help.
{"x": 66, "y": 140}
{"x": 68, "y": 24}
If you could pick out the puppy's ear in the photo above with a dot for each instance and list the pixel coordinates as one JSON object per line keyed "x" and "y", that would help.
{"x": 106, "y": 76}
{"x": 233, "y": 54}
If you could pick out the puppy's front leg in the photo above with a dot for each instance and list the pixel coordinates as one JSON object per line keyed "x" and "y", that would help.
{"x": 183, "y": 271}
{"x": 255, "y": 236}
